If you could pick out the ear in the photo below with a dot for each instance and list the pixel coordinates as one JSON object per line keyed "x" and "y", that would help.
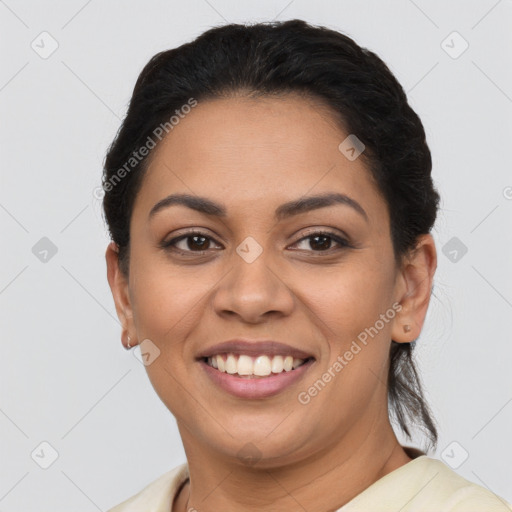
{"x": 413, "y": 289}
{"x": 119, "y": 287}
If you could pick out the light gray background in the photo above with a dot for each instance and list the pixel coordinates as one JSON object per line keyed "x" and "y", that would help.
{"x": 65, "y": 378}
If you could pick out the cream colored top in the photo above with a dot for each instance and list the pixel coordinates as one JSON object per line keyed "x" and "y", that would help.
{"x": 422, "y": 485}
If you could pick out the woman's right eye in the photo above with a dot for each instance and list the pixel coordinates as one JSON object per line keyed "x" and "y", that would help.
{"x": 194, "y": 242}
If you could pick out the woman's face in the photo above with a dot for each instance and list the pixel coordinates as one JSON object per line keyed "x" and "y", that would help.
{"x": 251, "y": 274}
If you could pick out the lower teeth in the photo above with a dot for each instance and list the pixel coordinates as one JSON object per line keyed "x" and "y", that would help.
{"x": 252, "y": 376}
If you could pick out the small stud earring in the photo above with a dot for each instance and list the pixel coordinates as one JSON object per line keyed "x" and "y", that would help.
{"x": 128, "y": 344}
{"x": 407, "y": 328}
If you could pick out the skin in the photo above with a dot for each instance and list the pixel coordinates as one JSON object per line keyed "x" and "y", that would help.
{"x": 252, "y": 155}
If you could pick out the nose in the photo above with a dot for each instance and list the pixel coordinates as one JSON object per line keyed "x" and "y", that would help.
{"x": 253, "y": 291}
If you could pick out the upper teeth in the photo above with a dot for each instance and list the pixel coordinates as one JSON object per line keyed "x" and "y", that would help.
{"x": 261, "y": 365}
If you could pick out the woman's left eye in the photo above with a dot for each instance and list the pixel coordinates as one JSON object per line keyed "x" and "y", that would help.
{"x": 197, "y": 242}
{"x": 322, "y": 240}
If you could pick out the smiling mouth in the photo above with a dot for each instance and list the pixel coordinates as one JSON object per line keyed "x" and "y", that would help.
{"x": 259, "y": 367}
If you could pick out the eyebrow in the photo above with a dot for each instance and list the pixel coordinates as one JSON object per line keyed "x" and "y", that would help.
{"x": 286, "y": 210}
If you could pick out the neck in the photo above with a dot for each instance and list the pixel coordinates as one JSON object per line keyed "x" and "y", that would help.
{"x": 327, "y": 480}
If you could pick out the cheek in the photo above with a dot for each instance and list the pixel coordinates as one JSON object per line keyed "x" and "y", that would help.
{"x": 161, "y": 293}
{"x": 166, "y": 308}
{"x": 347, "y": 305}
{"x": 347, "y": 298}
{"x": 165, "y": 298}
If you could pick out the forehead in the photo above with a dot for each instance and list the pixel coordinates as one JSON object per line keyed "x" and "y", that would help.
{"x": 248, "y": 151}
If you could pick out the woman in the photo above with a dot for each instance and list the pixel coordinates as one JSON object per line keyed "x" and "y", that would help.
{"x": 270, "y": 202}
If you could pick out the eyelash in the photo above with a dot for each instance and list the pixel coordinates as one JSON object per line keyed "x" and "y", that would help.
{"x": 170, "y": 245}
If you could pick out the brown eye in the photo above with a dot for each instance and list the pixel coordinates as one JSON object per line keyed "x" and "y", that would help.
{"x": 189, "y": 243}
{"x": 197, "y": 242}
{"x": 321, "y": 241}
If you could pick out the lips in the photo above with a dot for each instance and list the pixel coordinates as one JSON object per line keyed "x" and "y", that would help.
{"x": 254, "y": 348}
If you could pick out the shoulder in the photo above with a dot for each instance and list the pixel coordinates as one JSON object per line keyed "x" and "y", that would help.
{"x": 158, "y": 495}
{"x": 457, "y": 494}
{"x": 429, "y": 485}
